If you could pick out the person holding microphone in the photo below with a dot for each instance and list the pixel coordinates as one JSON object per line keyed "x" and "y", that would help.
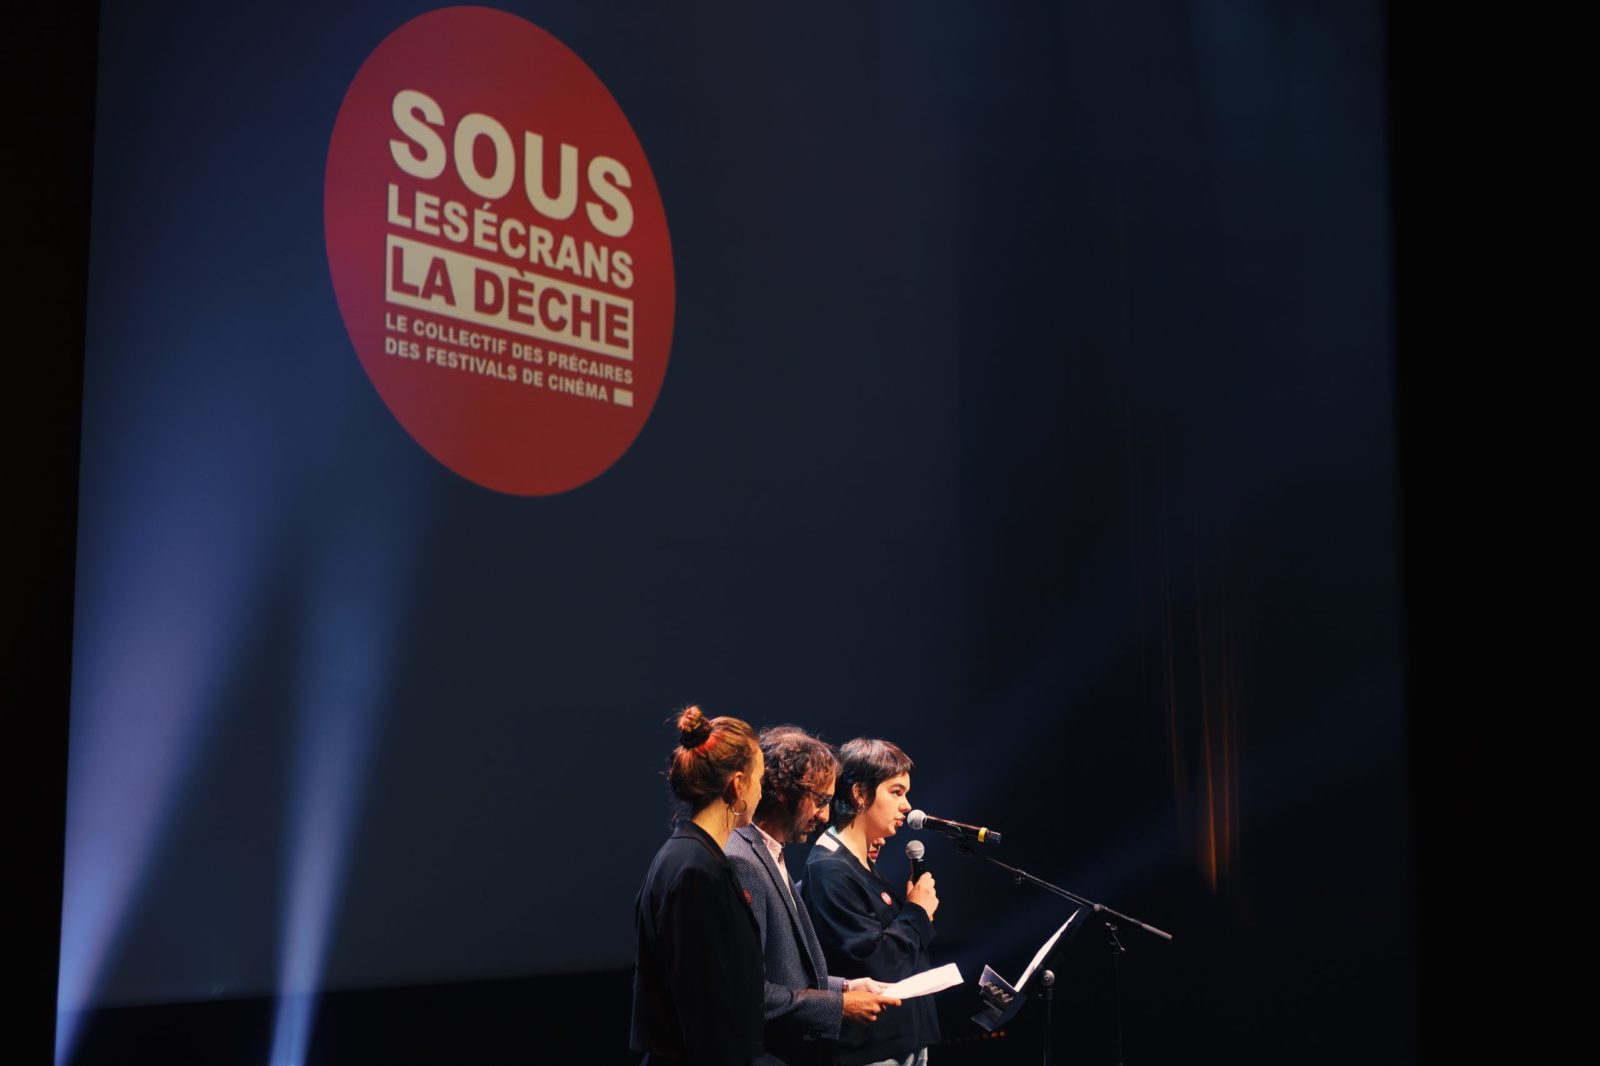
{"x": 867, "y": 926}
{"x": 697, "y": 972}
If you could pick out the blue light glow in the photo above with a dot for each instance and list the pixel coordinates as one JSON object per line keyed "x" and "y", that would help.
{"x": 162, "y": 596}
{"x": 346, "y": 654}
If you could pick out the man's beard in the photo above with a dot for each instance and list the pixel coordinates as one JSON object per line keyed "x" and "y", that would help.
{"x": 799, "y": 832}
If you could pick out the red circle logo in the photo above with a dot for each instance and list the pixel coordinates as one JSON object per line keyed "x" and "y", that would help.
{"x": 499, "y": 251}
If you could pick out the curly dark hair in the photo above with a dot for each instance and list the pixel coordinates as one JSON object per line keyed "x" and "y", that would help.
{"x": 796, "y": 761}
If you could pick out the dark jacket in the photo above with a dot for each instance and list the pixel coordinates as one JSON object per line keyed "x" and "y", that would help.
{"x": 697, "y": 970}
{"x": 867, "y": 929}
{"x": 804, "y": 1006}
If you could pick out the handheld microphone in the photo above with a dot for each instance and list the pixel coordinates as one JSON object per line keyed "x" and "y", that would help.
{"x": 981, "y": 834}
{"x": 914, "y": 853}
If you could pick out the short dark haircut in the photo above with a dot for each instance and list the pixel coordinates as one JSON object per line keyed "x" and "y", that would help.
{"x": 868, "y": 763}
{"x": 795, "y": 760}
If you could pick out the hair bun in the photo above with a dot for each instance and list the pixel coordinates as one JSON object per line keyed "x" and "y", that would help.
{"x": 693, "y": 727}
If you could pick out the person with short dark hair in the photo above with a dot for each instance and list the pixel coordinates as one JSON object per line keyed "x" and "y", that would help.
{"x": 805, "y": 1007}
{"x": 868, "y": 927}
{"x": 697, "y": 974}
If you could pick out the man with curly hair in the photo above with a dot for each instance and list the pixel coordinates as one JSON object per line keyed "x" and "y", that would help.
{"x": 805, "y": 1007}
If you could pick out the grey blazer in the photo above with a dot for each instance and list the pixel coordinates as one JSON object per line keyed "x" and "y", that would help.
{"x": 804, "y": 1006}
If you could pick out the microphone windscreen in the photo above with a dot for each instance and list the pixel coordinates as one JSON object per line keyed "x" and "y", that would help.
{"x": 915, "y": 819}
{"x": 915, "y": 850}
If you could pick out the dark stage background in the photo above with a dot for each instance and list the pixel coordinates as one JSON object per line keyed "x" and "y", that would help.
{"x": 1031, "y": 404}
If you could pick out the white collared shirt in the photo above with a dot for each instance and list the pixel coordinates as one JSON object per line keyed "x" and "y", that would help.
{"x": 777, "y": 856}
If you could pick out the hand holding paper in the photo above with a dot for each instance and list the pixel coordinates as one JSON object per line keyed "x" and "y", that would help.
{"x": 928, "y": 981}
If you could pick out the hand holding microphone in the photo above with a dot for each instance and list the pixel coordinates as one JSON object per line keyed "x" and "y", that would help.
{"x": 920, "y": 889}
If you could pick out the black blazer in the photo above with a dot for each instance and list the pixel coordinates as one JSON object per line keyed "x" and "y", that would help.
{"x": 697, "y": 972}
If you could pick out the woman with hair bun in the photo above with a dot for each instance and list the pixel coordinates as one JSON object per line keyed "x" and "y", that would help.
{"x": 697, "y": 974}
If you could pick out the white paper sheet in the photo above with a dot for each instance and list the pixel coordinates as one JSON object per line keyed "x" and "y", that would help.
{"x": 1039, "y": 955}
{"x": 928, "y": 981}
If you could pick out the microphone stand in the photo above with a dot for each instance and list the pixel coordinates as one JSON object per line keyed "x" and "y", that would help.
{"x": 1107, "y": 915}
{"x": 1048, "y": 980}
